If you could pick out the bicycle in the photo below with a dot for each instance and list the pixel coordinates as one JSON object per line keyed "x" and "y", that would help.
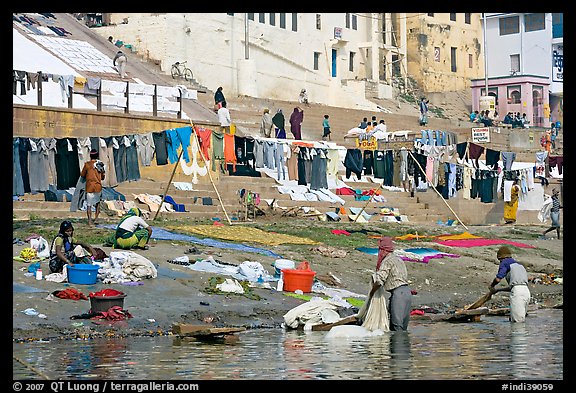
{"x": 179, "y": 69}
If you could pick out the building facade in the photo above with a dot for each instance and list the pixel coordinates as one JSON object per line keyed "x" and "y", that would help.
{"x": 445, "y": 50}
{"x": 524, "y": 57}
{"x": 339, "y": 58}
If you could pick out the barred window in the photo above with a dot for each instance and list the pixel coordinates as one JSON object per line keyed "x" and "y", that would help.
{"x": 509, "y": 25}
{"x": 534, "y": 22}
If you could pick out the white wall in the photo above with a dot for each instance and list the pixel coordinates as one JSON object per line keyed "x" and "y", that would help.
{"x": 534, "y": 47}
{"x": 213, "y": 44}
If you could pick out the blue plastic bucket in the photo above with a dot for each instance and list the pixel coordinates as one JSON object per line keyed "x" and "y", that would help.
{"x": 82, "y": 274}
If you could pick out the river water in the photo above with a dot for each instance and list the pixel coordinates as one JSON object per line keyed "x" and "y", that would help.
{"x": 490, "y": 349}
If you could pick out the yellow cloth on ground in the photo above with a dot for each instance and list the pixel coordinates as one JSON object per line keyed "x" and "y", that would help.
{"x": 410, "y": 236}
{"x": 463, "y": 235}
{"x": 242, "y": 234}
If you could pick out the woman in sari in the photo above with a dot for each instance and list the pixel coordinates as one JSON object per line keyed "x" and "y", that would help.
{"x": 278, "y": 121}
{"x": 511, "y": 206}
{"x": 296, "y": 119}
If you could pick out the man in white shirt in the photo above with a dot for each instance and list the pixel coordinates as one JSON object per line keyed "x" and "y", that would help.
{"x": 224, "y": 118}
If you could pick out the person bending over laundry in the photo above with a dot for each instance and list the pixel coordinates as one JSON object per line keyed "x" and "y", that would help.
{"x": 66, "y": 250}
{"x": 132, "y": 231}
{"x": 517, "y": 278}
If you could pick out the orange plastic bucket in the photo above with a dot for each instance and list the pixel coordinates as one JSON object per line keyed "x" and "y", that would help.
{"x": 295, "y": 279}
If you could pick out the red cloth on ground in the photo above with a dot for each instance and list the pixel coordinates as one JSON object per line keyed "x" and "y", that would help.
{"x": 345, "y": 191}
{"x": 481, "y": 242}
{"x": 417, "y": 312}
{"x": 114, "y": 313}
{"x": 70, "y": 293}
{"x": 340, "y": 232}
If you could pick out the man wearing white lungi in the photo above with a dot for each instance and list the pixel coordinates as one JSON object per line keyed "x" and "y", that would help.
{"x": 517, "y": 279}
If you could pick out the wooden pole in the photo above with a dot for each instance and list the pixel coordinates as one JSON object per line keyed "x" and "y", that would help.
{"x": 168, "y": 185}
{"x": 430, "y": 182}
{"x": 210, "y": 175}
{"x": 369, "y": 200}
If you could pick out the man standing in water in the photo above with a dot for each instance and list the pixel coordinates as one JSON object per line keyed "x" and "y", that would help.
{"x": 517, "y": 279}
{"x": 391, "y": 274}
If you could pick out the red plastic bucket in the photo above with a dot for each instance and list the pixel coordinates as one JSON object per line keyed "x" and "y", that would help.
{"x": 295, "y": 279}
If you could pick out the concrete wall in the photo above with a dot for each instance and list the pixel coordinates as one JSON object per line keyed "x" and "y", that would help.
{"x": 35, "y": 122}
{"x": 43, "y": 122}
{"x": 426, "y": 33}
{"x": 281, "y": 60}
{"x": 534, "y": 47}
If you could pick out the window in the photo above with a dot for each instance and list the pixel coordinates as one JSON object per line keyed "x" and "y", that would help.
{"x": 294, "y": 22}
{"x": 282, "y": 20}
{"x": 534, "y": 22}
{"x": 430, "y": 14}
{"x": 351, "y": 64}
{"x": 251, "y": 16}
{"x": 354, "y": 22}
{"x": 261, "y": 17}
{"x": 316, "y": 59}
{"x": 318, "y": 22}
{"x": 453, "y": 59}
{"x": 470, "y": 60}
{"x": 510, "y": 25}
{"x": 514, "y": 95}
{"x": 272, "y": 19}
{"x": 453, "y": 16}
{"x": 467, "y": 18}
{"x": 436, "y": 54}
{"x": 514, "y": 64}
{"x": 347, "y": 20}
{"x": 557, "y": 25}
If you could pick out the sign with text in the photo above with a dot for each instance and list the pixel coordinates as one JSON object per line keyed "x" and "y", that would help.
{"x": 557, "y": 63}
{"x": 338, "y": 33}
{"x": 481, "y": 135}
{"x": 367, "y": 144}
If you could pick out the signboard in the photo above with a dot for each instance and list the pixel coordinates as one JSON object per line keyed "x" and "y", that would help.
{"x": 558, "y": 63}
{"x": 481, "y": 135}
{"x": 367, "y": 144}
{"x": 338, "y": 33}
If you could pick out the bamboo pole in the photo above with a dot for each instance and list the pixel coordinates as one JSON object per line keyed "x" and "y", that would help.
{"x": 430, "y": 182}
{"x": 369, "y": 200}
{"x": 168, "y": 185}
{"x": 210, "y": 176}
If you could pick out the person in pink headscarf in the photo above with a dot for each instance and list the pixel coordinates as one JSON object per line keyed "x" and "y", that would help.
{"x": 392, "y": 276}
{"x": 296, "y": 119}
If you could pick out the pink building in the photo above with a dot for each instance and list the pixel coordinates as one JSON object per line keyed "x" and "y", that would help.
{"x": 525, "y": 94}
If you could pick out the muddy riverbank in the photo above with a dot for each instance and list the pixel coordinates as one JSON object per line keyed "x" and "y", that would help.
{"x": 180, "y": 294}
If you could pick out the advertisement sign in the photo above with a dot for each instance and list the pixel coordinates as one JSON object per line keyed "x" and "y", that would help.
{"x": 367, "y": 144}
{"x": 557, "y": 63}
{"x": 338, "y": 33}
{"x": 481, "y": 135}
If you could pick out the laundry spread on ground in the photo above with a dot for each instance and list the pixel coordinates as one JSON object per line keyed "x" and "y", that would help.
{"x": 422, "y": 254}
{"x": 243, "y": 234}
{"x": 460, "y": 236}
{"x": 162, "y": 234}
{"x": 481, "y": 242}
{"x": 412, "y": 254}
{"x": 368, "y": 250}
{"x": 410, "y": 236}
